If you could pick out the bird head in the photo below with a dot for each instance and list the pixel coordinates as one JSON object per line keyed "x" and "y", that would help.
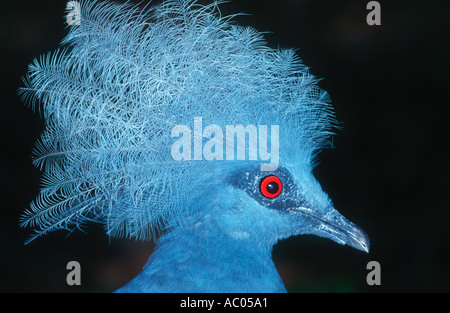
{"x": 286, "y": 202}
{"x": 123, "y": 101}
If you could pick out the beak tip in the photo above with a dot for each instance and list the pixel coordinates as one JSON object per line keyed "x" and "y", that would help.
{"x": 360, "y": 240}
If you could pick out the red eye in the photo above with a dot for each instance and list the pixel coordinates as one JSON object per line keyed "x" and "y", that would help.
{"x": 271, "y": 187}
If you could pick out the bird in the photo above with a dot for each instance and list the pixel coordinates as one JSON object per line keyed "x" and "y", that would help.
{"x": 159, "y": 119}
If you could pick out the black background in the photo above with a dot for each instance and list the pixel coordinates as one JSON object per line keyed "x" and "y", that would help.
{"x": 388, "y": 172}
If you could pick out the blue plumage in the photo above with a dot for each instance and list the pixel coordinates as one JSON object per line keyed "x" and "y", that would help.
{"x": 111, "y": 98}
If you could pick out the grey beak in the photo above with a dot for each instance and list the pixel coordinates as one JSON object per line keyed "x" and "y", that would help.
{"x": 334, "y": 226}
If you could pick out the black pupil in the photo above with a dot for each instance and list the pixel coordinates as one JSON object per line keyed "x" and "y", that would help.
{"x": 272, "y": 187}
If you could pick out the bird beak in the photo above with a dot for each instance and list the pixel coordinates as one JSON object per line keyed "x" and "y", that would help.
{"x": 334, "y": 226}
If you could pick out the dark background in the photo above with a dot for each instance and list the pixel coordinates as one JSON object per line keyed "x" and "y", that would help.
{"x": 388, "y": 172}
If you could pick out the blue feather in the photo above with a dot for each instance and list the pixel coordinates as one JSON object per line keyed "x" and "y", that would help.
{"x": 122, "y": 80}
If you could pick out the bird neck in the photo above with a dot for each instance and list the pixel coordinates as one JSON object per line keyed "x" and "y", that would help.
{"x": 209, "y": 256}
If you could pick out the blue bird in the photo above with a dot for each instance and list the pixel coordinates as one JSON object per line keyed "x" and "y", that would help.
{"x": 159, "y": 121}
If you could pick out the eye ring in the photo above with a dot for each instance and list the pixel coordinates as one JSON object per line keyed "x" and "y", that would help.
{"x": 270, "y": 186}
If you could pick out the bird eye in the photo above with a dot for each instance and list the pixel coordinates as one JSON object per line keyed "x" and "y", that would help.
{"x": 271, "y": 186}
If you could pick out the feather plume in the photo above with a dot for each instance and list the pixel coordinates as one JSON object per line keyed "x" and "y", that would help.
{"x": 120, "y": 82}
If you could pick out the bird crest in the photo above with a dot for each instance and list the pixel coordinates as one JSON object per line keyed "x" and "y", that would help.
{"x": 124, "y": 84}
